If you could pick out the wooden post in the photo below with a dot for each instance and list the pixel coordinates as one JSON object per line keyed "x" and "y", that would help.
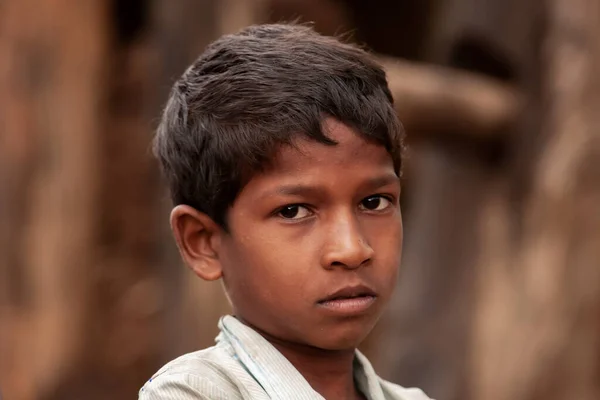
{"x": 537, "y": 334}
{"x": 51, "y": 71}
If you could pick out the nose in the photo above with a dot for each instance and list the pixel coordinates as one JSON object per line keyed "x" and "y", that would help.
{"x": 346, "y": 245}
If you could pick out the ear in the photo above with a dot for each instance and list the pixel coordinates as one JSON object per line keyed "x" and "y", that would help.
{"x": 198, "y": 239}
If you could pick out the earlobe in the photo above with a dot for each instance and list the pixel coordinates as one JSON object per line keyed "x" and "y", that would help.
{"x": 198, "y": 239}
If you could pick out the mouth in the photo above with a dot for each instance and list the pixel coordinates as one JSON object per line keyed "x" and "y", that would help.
{"x": 349, "y": 300}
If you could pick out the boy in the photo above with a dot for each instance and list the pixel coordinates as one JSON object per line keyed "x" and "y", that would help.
{"x": 283, "y": 155}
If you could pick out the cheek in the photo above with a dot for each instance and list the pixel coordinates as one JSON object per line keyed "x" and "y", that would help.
{"x": 265, "y": 267}
{"x": 286, "y": 262}
{"x": 385, "y": 237}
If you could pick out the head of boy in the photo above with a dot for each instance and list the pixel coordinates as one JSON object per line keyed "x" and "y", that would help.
{"x": 283, "y": 155}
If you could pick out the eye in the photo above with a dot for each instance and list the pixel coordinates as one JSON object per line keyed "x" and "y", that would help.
{"x": 375, "y": 203}
{"x": 294, "y": 211}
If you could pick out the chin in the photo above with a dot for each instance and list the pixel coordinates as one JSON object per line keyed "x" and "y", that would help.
{"x": 344, "y": 340}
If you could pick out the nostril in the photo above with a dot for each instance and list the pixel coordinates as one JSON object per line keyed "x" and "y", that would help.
{"x": 350, "y": 264}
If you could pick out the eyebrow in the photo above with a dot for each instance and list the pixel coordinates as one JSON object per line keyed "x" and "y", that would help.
{"x": 308, "y": 190}
{"x": 381, "y": 181}
{"x": 296, "y": 190}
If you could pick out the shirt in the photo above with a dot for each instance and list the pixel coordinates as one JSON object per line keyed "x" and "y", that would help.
{"x": 245, "y": 366}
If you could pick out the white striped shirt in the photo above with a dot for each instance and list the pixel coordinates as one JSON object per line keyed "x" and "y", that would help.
{"x": 245, "y": 366}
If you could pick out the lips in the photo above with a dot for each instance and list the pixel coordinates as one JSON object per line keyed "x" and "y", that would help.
{"x": 349, "y": 292}
{"x": 349, "y": 301}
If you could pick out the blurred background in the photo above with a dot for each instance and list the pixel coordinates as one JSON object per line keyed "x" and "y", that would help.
{"x": 499, "y": 296}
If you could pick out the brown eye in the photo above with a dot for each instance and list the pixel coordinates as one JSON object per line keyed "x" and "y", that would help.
{"x": 294, "y": 211}
{"x": 375, "y": 203}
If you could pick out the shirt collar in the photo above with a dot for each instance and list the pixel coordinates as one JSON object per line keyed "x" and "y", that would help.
{"x": 278, "y": 377}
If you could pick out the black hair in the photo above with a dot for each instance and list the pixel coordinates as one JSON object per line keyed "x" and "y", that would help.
{"x": 250, "y": 93}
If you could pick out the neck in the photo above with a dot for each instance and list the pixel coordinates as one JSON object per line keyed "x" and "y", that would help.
{"x": 329, "y": 372}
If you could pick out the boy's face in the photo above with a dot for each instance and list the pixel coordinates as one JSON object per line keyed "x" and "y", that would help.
{"x": 315, "y": 241}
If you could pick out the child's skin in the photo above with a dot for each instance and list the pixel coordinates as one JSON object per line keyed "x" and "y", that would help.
{"x": 318, "y": 219}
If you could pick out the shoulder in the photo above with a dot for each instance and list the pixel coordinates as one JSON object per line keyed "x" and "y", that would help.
{"x": 203, "y": 375}
{"x": 396, "y": 392}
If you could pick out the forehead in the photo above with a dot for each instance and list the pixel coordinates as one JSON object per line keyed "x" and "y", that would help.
{"x": 351, "y": 152}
